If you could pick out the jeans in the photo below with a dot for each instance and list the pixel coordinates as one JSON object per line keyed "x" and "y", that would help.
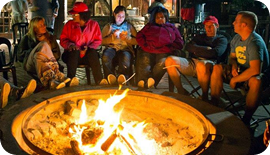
{"x": 150, "y": 65}
{"x": 111, "y": 58}
{"x": 91, "y": 58}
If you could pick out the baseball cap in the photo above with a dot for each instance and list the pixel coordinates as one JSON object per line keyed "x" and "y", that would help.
{"x": 78, "y": 7}
{"x": 212, "y": 19}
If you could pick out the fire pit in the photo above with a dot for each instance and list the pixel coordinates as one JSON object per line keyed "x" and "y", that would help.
{"x": 170, "y": 126}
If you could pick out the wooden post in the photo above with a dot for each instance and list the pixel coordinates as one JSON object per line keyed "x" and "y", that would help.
{"x": 62, "y": 16}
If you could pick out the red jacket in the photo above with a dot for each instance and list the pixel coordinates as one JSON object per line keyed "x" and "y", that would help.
{"x": 73, "y": 35}
{"x": 159, "y": 39}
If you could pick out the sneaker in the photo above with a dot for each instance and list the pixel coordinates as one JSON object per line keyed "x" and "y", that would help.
{"x": 141, "y": 84}
{"x": 65, "y": 80}
{"x": 150, "y": 82}
{"x": 74, "y": 82}
{"x": 30, "y": 88}
{"x": 103, "y": 82}
{"x": 4, "y": 95}
{"x": 121, "y": 79}
{"x": 56, "y": 85}
{"x": 112, "y": 79}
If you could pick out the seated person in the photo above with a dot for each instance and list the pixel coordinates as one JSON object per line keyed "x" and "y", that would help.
{"x": 118, "y": 38}
{"x": 38, "y": 50}
{"x": 248, "y": 59}
{"x": 7, "y": 87}
{"x": 157, "y": 40}
{"x": 205, "y": 50}
{"x": 80, "y": 38}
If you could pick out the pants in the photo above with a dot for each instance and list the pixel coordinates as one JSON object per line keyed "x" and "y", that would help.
{"x": 150, "y": 65}
{"x": 111, "y": 58}
{"x": 42, "y": 62}
{"x": 91, "y": 58}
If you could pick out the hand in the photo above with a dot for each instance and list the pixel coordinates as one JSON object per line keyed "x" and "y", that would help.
{"x": 233, "y": 83}
{"x": 234, "y": 72}
{"x": 55, "y": 15}
{"x": 73, "y": 48}
{"x": 123, "y": 35}
{"x": 116, "y": 33}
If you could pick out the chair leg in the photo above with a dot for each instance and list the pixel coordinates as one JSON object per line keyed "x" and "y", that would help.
{"x": 14, "y": 76}
{"x": 87, "y": 71}
{"x": 232, "y": 104}
{"x": 171, "y": 85}
{"x": 5, "y": 75}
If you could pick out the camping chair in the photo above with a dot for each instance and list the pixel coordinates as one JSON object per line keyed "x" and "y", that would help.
{"x": 19, "y": 30}
{"x": 8, "y": 67}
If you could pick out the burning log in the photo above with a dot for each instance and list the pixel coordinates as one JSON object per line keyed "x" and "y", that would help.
{"x": 90, "y": 136}
{"x": 127, "y": 144}
{"x": 105, "y": 146}
{"x": 75, "y": 147}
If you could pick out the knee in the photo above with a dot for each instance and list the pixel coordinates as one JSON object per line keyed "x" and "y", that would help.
{"x": 170, "y": 61}
{"x": 217, "y": 71}
{"x": 254, "y": 83}
{"x": 201, "y": 68}
{"x": 105, "y": 59}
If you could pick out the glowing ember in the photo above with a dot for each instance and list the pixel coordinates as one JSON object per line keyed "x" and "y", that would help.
{"x": 116, "y": 136}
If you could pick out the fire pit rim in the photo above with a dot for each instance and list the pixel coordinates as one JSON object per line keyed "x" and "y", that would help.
{"x": 79, "y": 94}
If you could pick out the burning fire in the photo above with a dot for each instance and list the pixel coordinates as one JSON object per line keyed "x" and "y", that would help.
{"x": 106, "y": 133}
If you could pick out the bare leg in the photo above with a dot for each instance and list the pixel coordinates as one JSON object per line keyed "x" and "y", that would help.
{"x": 173, "y": 73}
{"x": 216, "y": 83}
{"x": 252, "y": 99}
{"x": 203, "y": 75}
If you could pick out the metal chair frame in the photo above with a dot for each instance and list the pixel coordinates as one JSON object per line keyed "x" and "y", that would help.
{"x": 8, "y": 67}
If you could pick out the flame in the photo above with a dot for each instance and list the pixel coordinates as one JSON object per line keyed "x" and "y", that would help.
{"x": 127, "y": 137}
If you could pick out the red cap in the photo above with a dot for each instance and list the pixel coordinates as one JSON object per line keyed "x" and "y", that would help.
{"x": 212, "y": 19}
{"x": 78, "y": 7}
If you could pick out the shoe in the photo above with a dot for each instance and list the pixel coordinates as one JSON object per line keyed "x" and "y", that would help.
{"x": 150, "y": 82}
{"x": 103, "y": 82}
{"x": 4, "y": 95}
{"x": 112, "y": 79}
{"x": 65, "y": 80}
{"x": 30, "y": 88}
{"x": 121, "y": 79}
{"x": 56, "y": 85}
{"x": 74, "y": 82}
{"x": 141, "y": 84}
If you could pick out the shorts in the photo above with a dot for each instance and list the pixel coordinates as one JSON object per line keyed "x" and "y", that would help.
{"x": 188, "y": 65}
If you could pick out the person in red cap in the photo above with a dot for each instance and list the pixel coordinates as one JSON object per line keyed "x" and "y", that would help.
{"x": 205, "y": 50}
{"x": 80, "y": 38}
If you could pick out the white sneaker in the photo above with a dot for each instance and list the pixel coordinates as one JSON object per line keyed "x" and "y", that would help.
{"x": 121, "y": 79}
{"x": 4, "y": 95}
{"x": 112, "y": 79}
{"x": 103, "y": 82}
{"x": 30, "y": 88}
{"x": 141, "y": 84}
{"x": 56, "y": 85}
{"x": 74, "y": 82}
{"x": 150, "y": 82}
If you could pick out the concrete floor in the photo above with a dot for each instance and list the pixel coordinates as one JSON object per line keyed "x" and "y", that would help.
{"x": 257, "y": 129}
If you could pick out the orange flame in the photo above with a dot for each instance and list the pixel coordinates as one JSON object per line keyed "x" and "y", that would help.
{"x": 130, "y": 137}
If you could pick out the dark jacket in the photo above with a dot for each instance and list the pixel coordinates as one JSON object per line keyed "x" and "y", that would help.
{"x": 197, "y": 47}
{"x": 163, "y": 38}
